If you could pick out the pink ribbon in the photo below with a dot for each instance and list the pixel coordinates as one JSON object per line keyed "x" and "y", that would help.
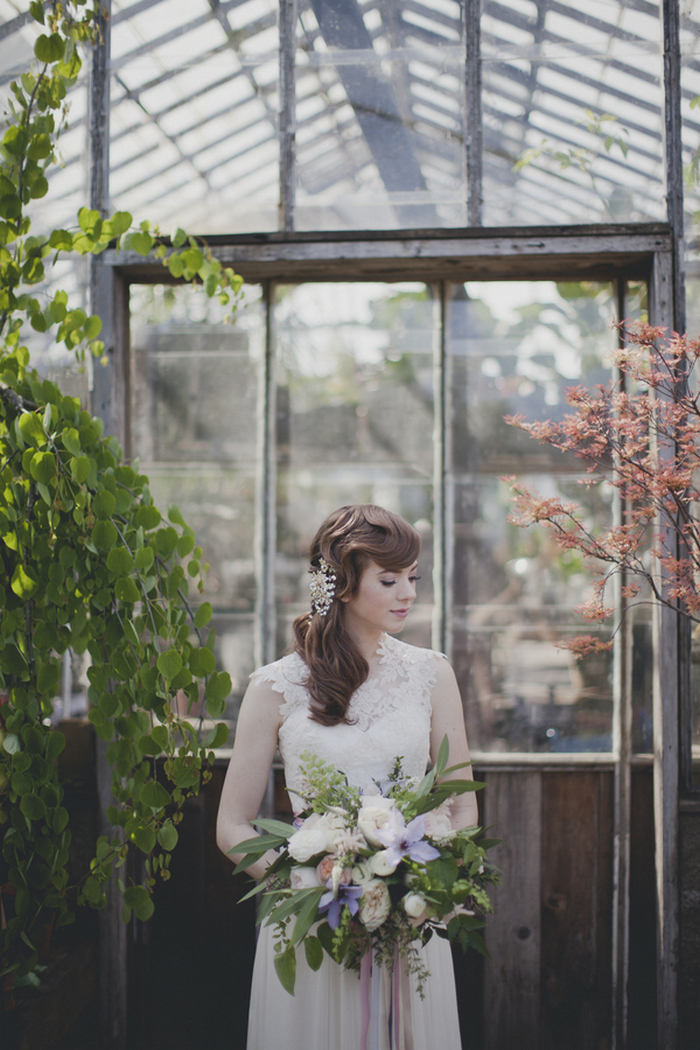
{"x": 365, "y": 978}
{"x": 375, "y": 983}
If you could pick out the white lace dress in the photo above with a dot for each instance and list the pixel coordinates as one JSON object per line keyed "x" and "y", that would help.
{"x": 391, "y": 713}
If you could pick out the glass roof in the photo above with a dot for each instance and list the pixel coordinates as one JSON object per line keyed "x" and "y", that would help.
{"x": 375, "y": 122}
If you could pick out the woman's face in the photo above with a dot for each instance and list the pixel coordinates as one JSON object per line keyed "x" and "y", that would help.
{"x": 383, "y": 599}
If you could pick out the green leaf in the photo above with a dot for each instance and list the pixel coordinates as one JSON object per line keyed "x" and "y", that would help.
{"x": 180, "y": 237}
{"x": 169, "y": 663}
{"x": 138, "y": 898}
{"x": 166, "y": 540}
{"x": 126, "y": 590}
{"x": 144, "y": 558}
{"x": 142, "y": 836}
{"x": 307, "y": 915}
{"x": 276, "y": 827}
{"x": 120, "y": 562}
{"x": 61, "y": 240}
{"x": 49, "y": 48}
{"x": 31, "y": 428}
{"x": 80, "y": 469}
{"x": 33, "y": 807}
{"x": 203, "y": 615}
{"x": 141, "y": 242}
{"x": 154, "y": 795}
{"x": 202, "y": 662}
{"x": 147, "y": 517}
{"x": 176, "y": 265}
{"x": 71, "y": 441}
{"x": 219, "y": 686}
{"x": 286, "y": 969}
{"x": 43, "y": 467}
{"x": 39, "y": 188}
{"x": 168, "y": 836}
{"x": 24, "y": 581}
{"x": 103, "y": 504}
{"x": 104, "y": 535}
{"x": 91, "y": 222}
{"x": 314, "y": 953}
{"x": 11, "y": 743}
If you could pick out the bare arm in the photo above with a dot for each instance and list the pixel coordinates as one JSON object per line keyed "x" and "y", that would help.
{"x": 448, "y": 719}
{"x": 248, "y": 771}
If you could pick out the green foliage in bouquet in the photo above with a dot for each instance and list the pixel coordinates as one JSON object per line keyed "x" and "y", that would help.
{"x": 87, "y": 562}
{"x": 370, "y": 871}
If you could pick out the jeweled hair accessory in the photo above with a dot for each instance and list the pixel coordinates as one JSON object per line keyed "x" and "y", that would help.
{"x": 322, "y": 587}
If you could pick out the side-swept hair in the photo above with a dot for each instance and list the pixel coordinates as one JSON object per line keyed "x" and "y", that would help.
{"x": 349, "y": 539}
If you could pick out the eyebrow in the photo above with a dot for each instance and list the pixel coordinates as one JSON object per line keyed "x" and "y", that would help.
{"x": 408, "y": 568}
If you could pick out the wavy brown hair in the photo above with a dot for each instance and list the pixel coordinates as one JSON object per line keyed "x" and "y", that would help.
{"x": 349, "y": 539}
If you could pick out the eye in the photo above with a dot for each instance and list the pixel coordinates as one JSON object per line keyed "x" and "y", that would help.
{"x": 388, "y": 583}
{"x": 414, "y": 579}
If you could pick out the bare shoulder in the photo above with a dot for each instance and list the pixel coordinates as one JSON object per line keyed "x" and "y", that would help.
{"x": 444, "y": 672}
{"x": 261, "y": 703}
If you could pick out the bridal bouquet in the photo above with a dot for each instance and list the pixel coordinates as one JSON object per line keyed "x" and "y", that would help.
{"x": 373, "y": 873}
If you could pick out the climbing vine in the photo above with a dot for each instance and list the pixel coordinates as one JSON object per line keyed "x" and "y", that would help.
{"x": 87, "y": 561}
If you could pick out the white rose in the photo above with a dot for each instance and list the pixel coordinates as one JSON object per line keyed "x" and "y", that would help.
{"x": 380, "y": 864}
{"x": 417, "y": 908}
{"x": 438, "y": 824}
{"x": 375, "y": 904}
{"x": 303, "y": 878}
{"x": 373, "y": 815}
{"x": 362, "y": 873}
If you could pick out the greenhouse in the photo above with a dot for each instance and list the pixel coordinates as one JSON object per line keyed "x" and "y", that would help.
{"x": 439, "y": 209}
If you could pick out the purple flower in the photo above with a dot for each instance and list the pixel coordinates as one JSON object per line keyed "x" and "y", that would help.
{"x": 403, "y": 839}
{"x": 334, "y": 905}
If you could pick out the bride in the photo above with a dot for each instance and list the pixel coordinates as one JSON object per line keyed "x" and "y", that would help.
{"x": 357, "y": 697}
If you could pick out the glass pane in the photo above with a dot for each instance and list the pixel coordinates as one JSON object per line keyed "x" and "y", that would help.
{"x": 193, "y": 134}
{"x": 572, "y": 112}
{"x": 380, "y": 115}
{"x": 194, "y": 426}
{"x": 515, "y": 348}
{"x": 354, "y": 422}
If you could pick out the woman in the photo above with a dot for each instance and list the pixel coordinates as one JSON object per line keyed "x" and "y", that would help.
{"x": 357, "y": 697}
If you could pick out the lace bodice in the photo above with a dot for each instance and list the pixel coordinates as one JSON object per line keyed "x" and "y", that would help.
{"x": 391, "y": 713}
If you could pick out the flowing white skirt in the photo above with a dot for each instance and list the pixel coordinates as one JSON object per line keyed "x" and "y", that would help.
{"x": 325, "y": 1012}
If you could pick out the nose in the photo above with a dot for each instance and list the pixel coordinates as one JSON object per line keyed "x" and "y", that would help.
{"x": 407, "y": 590}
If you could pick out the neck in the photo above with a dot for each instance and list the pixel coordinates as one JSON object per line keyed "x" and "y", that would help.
{"x": 367, "y": 642}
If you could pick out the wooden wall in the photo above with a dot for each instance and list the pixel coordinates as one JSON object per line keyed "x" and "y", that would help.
{"x": 548, "y": 984}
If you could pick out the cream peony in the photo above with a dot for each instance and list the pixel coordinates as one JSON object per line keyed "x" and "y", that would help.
{"x": 303, "y": 878}
{"x": 375, "y": 904}
{"x": 373, "y": 815}
{"x": 438, "y": 824}
{"x": 308, "y": 840}
{"x": 317, "y": 834}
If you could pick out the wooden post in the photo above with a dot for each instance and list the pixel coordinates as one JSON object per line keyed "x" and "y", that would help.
{"x": 472, "y": 16}
{"x": 513, "y": 805}
{"x": 107, "y": 397}
{"x": 287, "y": 120}
{"x": 666, "y": 753}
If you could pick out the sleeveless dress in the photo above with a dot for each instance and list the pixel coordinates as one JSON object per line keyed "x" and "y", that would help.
{"x": 392, "y": 713}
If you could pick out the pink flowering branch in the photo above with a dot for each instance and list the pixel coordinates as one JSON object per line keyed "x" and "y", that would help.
{"x": 645, "y": 444}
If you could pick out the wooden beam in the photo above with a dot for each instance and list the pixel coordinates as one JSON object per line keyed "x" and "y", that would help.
{"x": 586, "y": 253}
